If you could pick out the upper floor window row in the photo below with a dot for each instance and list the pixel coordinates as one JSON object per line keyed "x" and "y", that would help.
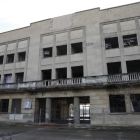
{"x": 128, "y": 40}
{"x": 62, "y": 50}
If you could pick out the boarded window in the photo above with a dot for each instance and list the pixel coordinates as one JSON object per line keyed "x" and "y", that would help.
{"x": 135, "y": 102}
{"x": 16, "y": 103}
{"x": 111, "y": 42}
{"x": 10, "y": 58}
{"x": 130, "y": 40}
{"x": 4, "y": 104}
{"x": 117, "y": 103}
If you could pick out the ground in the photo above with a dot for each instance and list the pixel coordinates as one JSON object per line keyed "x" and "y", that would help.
{"x": 30, "y": 132}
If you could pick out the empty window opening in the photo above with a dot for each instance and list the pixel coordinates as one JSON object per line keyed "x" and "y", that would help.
{"x": 46, "y": 74}
{"x": 16, "y": 103}
{"x": 130, "y": 40}
{"x": 111, "y": 42}
{"x": 133, "y": 66}
{"x": 117, "y": 103}
{"x": 61, "y": 73}
{"x": 61, "y": 50}
{"x": 1, "y": 59}
{"x": 19, "y": 77}
{"x": 77, "y": 71}
{"x": 47, "y": 52}
{"x": 10, "y": 58}
{"x": 135, "y": 102}
{"x": 4, "y": 104}
{"x": 76, "y": 48}
{"x": 7, "y": 78}
{"x": 114, "y": 68}
{"x": 21, "y": 56}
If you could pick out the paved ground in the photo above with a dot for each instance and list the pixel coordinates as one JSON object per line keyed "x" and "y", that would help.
{"x": 45, "y": 133}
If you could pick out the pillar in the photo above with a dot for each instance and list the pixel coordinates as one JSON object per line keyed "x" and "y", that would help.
{"x": 76, "y": 110}
{"x": 48, "y": 110}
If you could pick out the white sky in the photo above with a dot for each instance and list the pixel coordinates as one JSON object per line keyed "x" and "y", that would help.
{"x": 19, "y": 13}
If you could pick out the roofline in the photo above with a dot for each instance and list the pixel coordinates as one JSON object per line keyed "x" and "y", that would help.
{"x": 73, "y": 13}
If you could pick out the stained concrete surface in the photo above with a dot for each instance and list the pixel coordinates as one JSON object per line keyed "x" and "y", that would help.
{"x": 54, "y": 133}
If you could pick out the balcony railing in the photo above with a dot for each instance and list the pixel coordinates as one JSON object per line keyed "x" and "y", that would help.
{"x": 72, "y": 82}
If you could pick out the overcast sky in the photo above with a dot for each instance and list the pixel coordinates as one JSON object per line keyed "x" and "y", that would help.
{"x": 19, "y": 13}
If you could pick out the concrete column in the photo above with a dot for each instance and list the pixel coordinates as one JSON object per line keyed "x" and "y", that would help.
{"x": 4, "y": 62}
{"x": 138, "y": 30}
{"x": 54, "y": 54}
{"x": 103, "y": 51}
{"x": 76, "y": 110}
{"x": 14, "y": 65}
{"x": 121, "y": 46}
{"x": 68, "y": 54}
{"x": 48, "y": 110}
{"x": 10, "y": 105}
{"x": 128, "y": 103}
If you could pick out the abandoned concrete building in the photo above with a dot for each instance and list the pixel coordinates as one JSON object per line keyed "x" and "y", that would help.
{"x": 78, "y": 68}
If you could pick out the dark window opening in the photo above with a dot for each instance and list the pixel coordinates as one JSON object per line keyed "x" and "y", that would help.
{"x": 10, "y": 58}
{"x": 130, "y": 40}
{"x": 61, "y": 73}
{"x": 111, "y": 42}
{"x": 4, "y": 104}
{"x": 47, "y": 52}
{"x": 7, "y": 78}
{"x": 61, "y": 50}
{"x": 21, "y": 56}
{"x": 133, "y": 66}
{"x": 46, "y": 74}
{"x": 19, "y": 77}
{"x": 135, "y": 99}
{"x": 16, "y": 103}
{"x": 114, "y": 68}
{"x": 1, "y": 59}
{"x": 77, "y": 71}
{"x": 76, "y": 48}
{"x": 117, "y": 103}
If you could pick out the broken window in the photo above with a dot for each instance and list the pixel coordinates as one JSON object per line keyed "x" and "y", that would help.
{"x": 111, "y": 42}
{"x": 10, "y": 58}
{"x": 46, "y": 74}
{"x": 7, "y": 78}
{"x": 130, "y": 40}
{"x": 16, "y": 104}
{"x": 1, "y": 59}
{"x": 47, "y": 52}
{"x": 61, "y": 50}
{"x": 117, "y": 103}
{"x": 114, "y": 68}
{"x": 4, "y": 104}
{"x": 61, "y": 73}
{"x": 133, "y": 66}
{"x": 21, "y": 56}
{"x": 76, "y": 48}
{"x": 135, "y": 102}
{"x": 77, "y": 71}
{"x": 19, "y": 77}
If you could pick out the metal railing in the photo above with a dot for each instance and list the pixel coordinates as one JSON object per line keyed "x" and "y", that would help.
{"x": 72, "y": 82}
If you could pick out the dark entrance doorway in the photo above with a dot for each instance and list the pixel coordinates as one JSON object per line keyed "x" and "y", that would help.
{"x": 42, "y": 108}
{"x": 62, "y": 110}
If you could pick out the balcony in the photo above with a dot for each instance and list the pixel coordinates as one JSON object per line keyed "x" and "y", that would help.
{"x": 72, "y": 83}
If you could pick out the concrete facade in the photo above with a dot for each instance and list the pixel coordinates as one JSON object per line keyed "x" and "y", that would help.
{"x": 90, "y": 27}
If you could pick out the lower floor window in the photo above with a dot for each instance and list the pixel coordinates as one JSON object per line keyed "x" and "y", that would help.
{"x": 117, "y": 103}
{"x": 16, "y": 104}
{"x": 135, "y": 102}
{"x": 4, "y": 104}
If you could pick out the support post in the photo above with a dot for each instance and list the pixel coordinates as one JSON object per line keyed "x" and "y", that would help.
{"x": 48, "y": 110}
{"x": 76, "y": 110}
